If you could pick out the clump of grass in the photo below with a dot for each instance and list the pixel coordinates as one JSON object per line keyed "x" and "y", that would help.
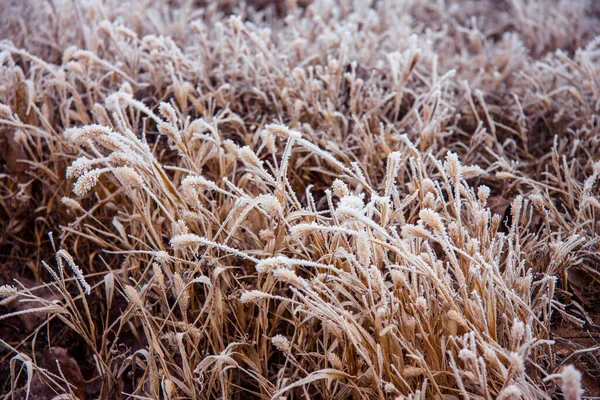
{"x": 370, "y": 201}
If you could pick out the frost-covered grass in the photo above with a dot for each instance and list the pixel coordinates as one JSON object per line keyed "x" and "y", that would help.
{"x": 328, "y": 200}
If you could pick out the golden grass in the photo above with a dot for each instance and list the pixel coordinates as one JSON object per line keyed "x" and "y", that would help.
{"x": 350, "y": 201}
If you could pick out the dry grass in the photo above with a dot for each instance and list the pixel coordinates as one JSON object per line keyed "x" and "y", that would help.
{"x": 327, "y": 200}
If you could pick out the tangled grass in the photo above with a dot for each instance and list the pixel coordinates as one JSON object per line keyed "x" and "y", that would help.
{"x": 298, "y": 200}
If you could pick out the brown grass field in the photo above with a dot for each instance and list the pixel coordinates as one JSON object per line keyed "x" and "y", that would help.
{"x": 351, "y": 199}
